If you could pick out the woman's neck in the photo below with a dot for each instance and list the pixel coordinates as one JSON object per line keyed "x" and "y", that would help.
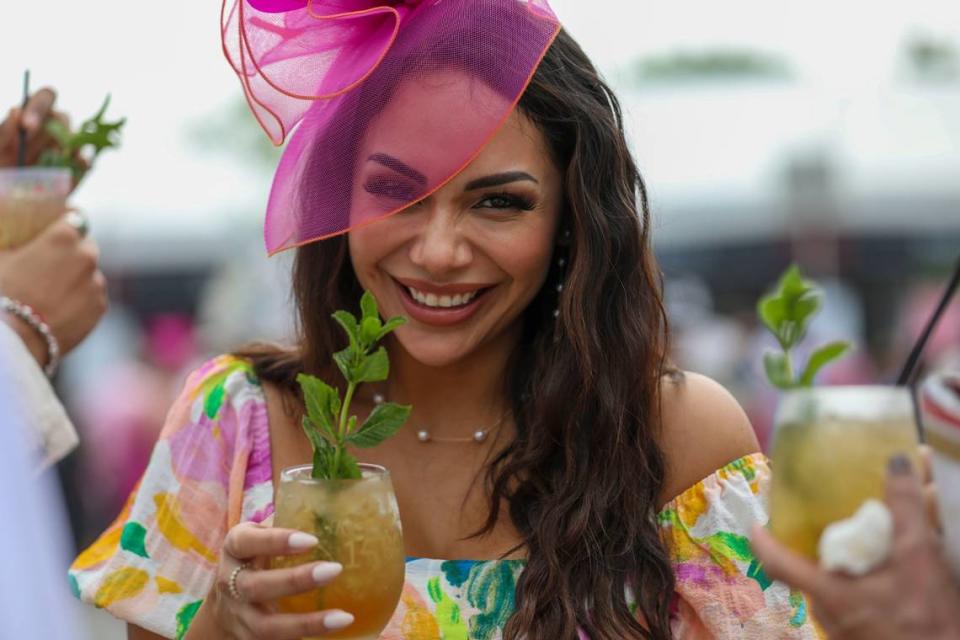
{"x": 457, "y": 399}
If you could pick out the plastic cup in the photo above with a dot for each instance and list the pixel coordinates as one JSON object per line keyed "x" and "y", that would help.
{"x": 940, "y": 411}
{"x": 831, "y": 446}
{"x": 31, "y": 198}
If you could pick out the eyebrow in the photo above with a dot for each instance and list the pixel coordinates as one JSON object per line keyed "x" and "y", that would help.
{"x": 400, "y": 167}
{"x": 498, "y": 179}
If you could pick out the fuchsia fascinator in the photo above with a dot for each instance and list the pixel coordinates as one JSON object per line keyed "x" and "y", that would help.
{"x": 390, "y": 98}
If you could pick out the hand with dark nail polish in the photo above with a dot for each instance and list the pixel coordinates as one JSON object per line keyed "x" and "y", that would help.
{"x": 912, "y": 596}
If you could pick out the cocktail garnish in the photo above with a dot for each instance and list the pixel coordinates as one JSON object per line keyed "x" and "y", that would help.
{"x": 787, "y": 313}
{"x": 327, "y": 423}
{"x": 79, "y": 149}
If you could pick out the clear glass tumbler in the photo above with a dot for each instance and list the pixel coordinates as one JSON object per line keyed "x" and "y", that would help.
{"x": 831, "y": 446}
{"x": 358, "y": 525}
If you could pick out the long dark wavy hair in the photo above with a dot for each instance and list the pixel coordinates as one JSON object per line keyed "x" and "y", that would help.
{"x": 582, "y": 480}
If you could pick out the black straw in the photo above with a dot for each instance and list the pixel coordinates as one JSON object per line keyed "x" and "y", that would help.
{"x": 909, "y": 368}
{"x": 22, "y": 132}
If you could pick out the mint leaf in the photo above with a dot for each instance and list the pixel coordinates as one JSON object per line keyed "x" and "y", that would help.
{"x": 344, "y": 360}
{"x": 328, "y": 425}
{"x": 59, "y": 132}
{"x": 94, "y": 133}
{"x": 374, "y": 367}
{"x": 323, "y": 452}
{"x": 773, "y": 312}
{"x": 322, "y": 402}
{"x": 369, "y": 330}
{"x": 383, "y": 422}
{"x": 390, "y": 325}
{"x": 368, "y": 306}
{"x": 777, "y": 367}
{"x": 787, "y": 311}
{"x": 787, "y": 314}
{"x": 349, "y": 324}
{"x": 822, "y": 356}
{"x": 348, "y": 468}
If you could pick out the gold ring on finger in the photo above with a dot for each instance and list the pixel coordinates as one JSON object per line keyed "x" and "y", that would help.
{"x": 232, "y": 581}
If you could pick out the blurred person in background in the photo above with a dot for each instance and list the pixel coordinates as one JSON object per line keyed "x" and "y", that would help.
{"x": 512, "y": 229}
{"x": 52, "y": 294}
{"x": 912, "y": 596}
{"x": 943, "y": 349}
{"x": 121, "y": 411}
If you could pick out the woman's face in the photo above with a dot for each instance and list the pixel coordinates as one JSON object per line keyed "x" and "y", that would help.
{"x": 463, "y": 263}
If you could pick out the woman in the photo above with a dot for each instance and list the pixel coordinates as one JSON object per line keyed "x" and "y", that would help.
{"x": 593, "y": 490}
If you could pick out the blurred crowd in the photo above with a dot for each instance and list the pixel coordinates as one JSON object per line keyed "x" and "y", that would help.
{"x": 119, "y": 385}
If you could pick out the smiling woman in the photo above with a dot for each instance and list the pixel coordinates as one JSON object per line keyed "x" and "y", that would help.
{"x": 609, "y": 497}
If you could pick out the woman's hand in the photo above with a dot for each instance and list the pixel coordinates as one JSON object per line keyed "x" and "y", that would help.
{"x": 57, "y": 274}
{"x": 911, "y": 595}
{"x": 33, "y": 121}
{"x": 245, "y": 612}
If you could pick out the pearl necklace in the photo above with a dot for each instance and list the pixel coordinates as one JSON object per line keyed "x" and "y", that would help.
{"x": 423, "y": 435}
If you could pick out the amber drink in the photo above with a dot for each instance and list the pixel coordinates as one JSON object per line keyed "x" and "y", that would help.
{"x": 358, "y": 525}
{"x": 831, "y": 446}
{"x": 30, "y": 199}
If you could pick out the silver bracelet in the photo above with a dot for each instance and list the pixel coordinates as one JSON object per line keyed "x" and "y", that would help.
{"x": 26, "y": 313}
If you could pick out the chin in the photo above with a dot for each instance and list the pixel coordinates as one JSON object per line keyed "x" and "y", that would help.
{"x": 432, "y": 350}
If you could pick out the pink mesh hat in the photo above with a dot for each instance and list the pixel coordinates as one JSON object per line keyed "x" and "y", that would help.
{"x": 390, "y": 99}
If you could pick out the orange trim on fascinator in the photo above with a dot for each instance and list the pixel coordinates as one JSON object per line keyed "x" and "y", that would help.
{"x": 446, "y": 73}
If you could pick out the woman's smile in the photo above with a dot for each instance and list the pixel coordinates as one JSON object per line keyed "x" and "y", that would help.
{"x": 441, "y": 305}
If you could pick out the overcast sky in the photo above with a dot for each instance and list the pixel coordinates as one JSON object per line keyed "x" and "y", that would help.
{"x": 162, "y": 63}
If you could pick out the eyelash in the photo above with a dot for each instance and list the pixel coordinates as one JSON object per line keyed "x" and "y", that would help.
{"x": 398, "y": 190}
{"x": 512, "y": 202}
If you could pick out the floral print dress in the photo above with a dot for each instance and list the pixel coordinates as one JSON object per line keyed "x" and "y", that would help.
{"x": 211, "y": 469}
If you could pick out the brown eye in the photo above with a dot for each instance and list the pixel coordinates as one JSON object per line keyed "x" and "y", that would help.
{"x": 505, "y": 201}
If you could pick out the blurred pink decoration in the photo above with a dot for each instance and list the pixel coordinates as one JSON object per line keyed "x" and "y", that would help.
{"x": 171, "y": 341}
{"x": 917, "y": 311}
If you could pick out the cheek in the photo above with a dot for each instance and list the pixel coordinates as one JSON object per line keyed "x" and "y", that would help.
{"x": 370, "y": 245}
{"x": 365, "y": 251}
{"x": 526, "y": 258}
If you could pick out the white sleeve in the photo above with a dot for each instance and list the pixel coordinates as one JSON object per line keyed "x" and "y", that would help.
{"x": 49, "y": 431}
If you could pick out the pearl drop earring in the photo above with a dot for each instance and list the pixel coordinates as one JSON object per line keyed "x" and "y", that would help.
{"x": 561, "y": 264}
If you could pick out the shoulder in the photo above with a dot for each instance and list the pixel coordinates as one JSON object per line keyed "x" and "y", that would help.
{"x": 703, "y": 429}
{"x": 220, "y": 383}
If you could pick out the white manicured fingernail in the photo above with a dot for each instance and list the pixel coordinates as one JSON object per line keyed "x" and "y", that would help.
{"x": 337, "y": 620}
{"x": 326, "y": 571}
{"x": 300, "y": 540}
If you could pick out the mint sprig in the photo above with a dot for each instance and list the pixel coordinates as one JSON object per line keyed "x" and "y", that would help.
{"x": 79, "y": 149}
{"x": 328, "y": 424}
{"x": 787, "y": 313}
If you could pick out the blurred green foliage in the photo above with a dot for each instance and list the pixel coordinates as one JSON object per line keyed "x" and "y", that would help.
{"x": 234, "y": 131}
{"x": 709, "y": 65}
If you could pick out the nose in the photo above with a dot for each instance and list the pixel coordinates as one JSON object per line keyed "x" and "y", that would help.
{"x": 440, "y": 246}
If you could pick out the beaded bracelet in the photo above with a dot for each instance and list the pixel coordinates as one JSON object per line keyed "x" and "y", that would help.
{"x": 28, "y": 315}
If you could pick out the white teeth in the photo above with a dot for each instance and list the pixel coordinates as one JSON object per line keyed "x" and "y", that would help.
{"x": 444, "y": 302}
